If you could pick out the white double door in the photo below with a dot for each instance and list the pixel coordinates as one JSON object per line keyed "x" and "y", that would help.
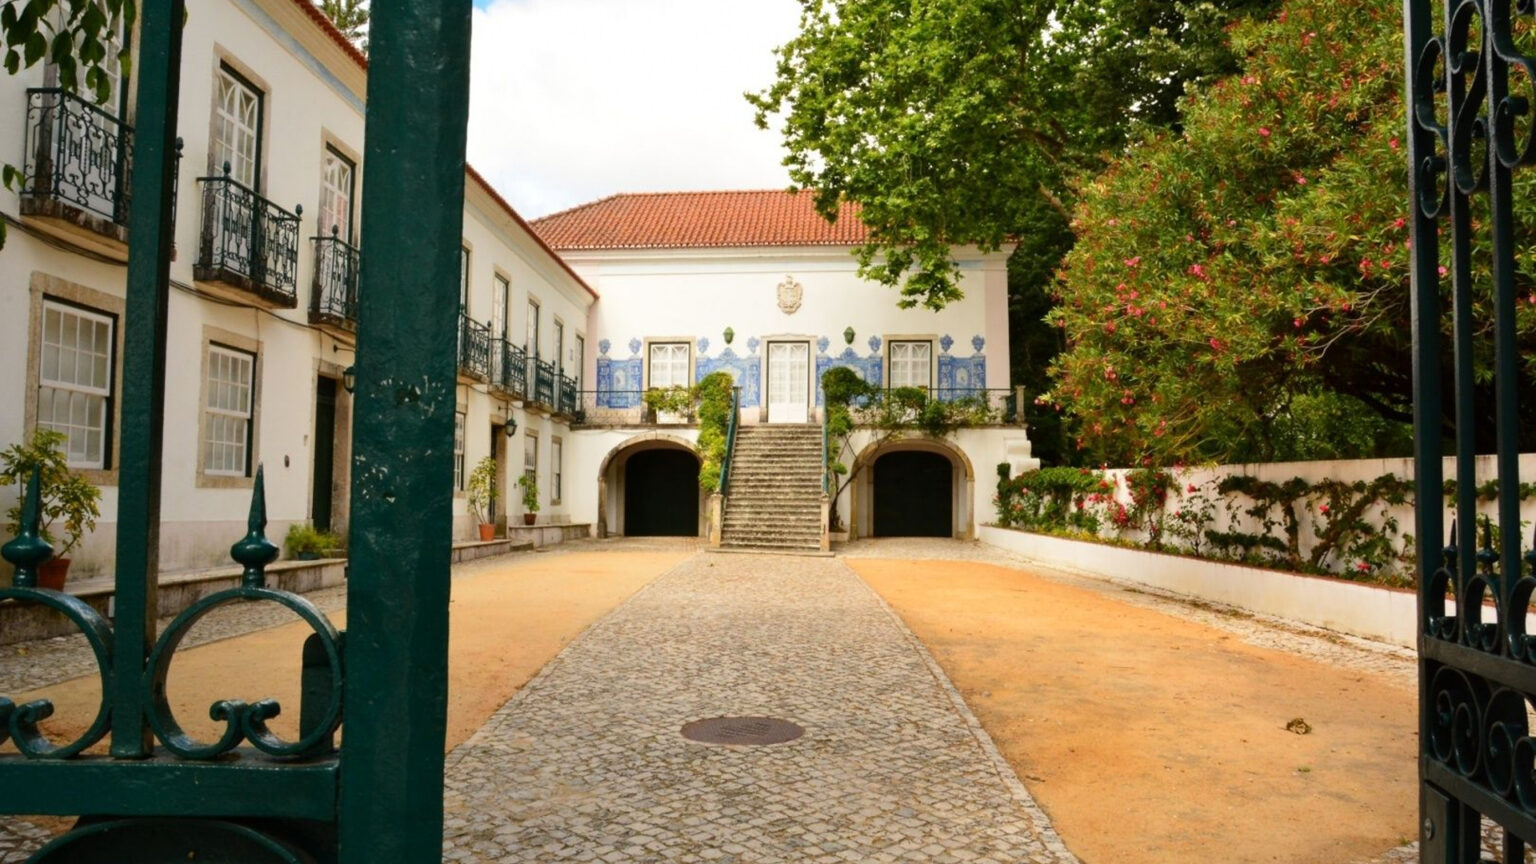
{"x": 789, "y": 382}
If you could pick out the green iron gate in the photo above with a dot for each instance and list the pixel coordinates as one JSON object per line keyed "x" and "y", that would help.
{"x": 156, "y": 795}
{"x": 1467, "y": 134}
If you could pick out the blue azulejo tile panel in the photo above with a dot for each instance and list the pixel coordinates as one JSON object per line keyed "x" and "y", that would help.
{"x": 745, "y": 371}
{"x": 618, "y": 382}
{"x": 957, "y": 375}
{"x": 870, "y": 368}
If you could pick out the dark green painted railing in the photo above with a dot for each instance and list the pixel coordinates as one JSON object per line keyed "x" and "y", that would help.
{"x": 250, "y": 796}
{"x": 730, "y": 441}
{"x": 474, "y": 348}
{"x": 544, "y": 383}
{"x": 77, "y": 154}
{"x": 1469, "y": 129}
{"x": 333, "y": 293}
{"x": 511, "y": 373}
{"x": 248, "y": 241}
{"x": 567, "y": 397}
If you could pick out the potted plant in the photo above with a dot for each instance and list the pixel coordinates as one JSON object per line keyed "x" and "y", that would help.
{"x": 305, "y": 543}
{"x": 482, "y": 496}
{"x": 529, "y": 483}
{"x": 65, "y": 497}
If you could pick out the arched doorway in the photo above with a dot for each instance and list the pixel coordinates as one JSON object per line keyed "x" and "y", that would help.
{"x": 912, "y": 486}
{"x": 661, "y": 494}
{"x": 913, "y": 494}
{"x": 648, "y": 485}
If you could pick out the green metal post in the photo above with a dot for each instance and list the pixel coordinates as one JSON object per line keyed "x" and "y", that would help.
{"x": 401, "y": 535}
{"x": 150, "y": 236}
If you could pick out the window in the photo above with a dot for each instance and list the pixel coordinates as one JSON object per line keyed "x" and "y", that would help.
{"x": 911, "y": 364}
{"x": 669, "y": 364}
{"x": 500, "y": 294}
{"x": 531, "y": 454}
{"x": 581, "y": 359}
{"x": 74, "y": 386}
{"x": 531, "y": 343}
{"x": 227, "y": 430}
{"x": 556, "y": 452}
{"x": 336, "y": 188}
{"x": 464, "y": 279}
{"x": 458, "y": 451}
{"x": 559, "y": 345}
{"x": 236, "y": 127}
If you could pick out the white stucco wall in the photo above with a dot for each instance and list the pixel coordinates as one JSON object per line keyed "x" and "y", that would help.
{"x": 312, "y": 98}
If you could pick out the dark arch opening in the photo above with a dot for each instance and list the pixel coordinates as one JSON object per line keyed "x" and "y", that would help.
{"x": 661, "y": 494}
{"x": 914, "y": 494}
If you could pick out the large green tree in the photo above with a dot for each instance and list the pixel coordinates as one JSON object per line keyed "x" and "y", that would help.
{"x": 964, "y": 122}
{"x": 351, "y": 18}
{"x": 1239, "y": 289}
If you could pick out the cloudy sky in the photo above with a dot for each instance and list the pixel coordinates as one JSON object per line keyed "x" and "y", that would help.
{"x": 573, "y": 100}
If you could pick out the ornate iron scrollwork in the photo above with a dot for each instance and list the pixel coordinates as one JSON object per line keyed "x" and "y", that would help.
{"x": 1467, "y": 134}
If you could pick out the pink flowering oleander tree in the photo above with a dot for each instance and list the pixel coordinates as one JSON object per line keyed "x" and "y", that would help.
{"x": 1239, "y": 290}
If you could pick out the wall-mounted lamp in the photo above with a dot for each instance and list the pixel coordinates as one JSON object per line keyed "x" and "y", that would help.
{"x": 349, "y": 378}
{"x": 511, "y": 426}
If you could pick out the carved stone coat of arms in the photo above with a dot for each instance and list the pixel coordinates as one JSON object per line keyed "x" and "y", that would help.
{"x": 790, "y": 294}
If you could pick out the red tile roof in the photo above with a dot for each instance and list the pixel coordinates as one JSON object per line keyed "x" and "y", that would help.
{"x": 682, "y": 220}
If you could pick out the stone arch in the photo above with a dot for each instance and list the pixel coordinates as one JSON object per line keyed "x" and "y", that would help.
{"x": 962, "y": 491}
{"x": 610, "y": 479}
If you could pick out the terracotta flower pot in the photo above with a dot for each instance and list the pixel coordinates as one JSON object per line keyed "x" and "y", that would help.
{"x": 51, "y": 575}
{"x": 529, "y": 518}
{"x": 488, "y": 531}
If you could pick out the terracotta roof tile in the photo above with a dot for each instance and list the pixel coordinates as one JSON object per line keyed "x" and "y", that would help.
{"x": 680, "y": 220}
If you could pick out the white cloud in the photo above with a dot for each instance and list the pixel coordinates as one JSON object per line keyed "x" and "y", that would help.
{"x": 572, "y": 100}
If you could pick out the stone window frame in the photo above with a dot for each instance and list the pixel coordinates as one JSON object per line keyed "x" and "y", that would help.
{"x": 461, "y": 451}
{"x": 556, "y": 474}
{"x": 645, "y": 366}
{"x": 44, "y": 286}
{"x": 227, "y": 63}
{"x": 218, "y": 336}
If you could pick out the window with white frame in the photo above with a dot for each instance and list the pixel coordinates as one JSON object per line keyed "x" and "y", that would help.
{"x": 458, "y": 451}
{"x": 556, "y": 453}
{"x": 237, "y": 127}
{"x": 531, "y": 334}
{"x": 501, "y": 293}
{"x": 531, "y": 454}
{"x": 336, "y": 188}
{"x": 74, "y": 381}
{"x": 669, "y": 364}
{"x": 229, "y": 412}
{"x": 464, "y": 279}
{"x": 559, "y": 345}
{"x": 911, "y": 364}
{"x": 581, "y": 359}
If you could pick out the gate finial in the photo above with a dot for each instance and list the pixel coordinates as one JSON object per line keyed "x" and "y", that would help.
{"x": 255, "y": 551}
{"x": 29, "y": 551}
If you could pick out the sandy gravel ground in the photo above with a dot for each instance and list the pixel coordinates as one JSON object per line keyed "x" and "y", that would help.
{"x": 1151, "y": 738}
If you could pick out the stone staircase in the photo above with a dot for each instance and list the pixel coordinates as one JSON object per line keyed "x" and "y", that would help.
{"x": 774, "y": 500}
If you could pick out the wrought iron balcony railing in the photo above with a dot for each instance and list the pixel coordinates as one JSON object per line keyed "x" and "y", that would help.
{"x": 510, "y": 369}
{"x": 474, "y": 348}
{"x": 78, "y": 159}
{"x": 566, "y": 396}
{"x": 333, "y": 294}
{"x": 544, "y": 383}
{"x": 248, "y": 242}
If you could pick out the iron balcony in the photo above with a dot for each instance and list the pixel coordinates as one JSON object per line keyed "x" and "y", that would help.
{"x": 474, "y": 350}
{"x": 333, "y": 294}
{"x": 249, "y": 250}
{"x": 509, "y": 374}
{"x": 75, "y": 178}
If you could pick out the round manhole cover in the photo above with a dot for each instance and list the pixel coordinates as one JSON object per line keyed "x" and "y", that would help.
{"x": 742, "y": 730}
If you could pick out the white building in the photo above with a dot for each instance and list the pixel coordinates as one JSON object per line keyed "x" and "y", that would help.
{"x": 263, "y": 311}
{"x": 758, "y": 285}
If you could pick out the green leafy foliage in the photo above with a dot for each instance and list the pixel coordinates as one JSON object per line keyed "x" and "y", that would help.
{"x": 481, "y": 488}
{"x": 351, "y": 18}
{"x": 529, "y": 483}
{"x": 715, "y": 394}
{"x": 67, "y": 498}
{"x": 1239, "y": 289}
{"x": 303, "y": 539}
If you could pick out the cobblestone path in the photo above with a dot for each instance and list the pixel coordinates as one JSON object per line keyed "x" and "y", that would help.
{"x": 586, "y": 762}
